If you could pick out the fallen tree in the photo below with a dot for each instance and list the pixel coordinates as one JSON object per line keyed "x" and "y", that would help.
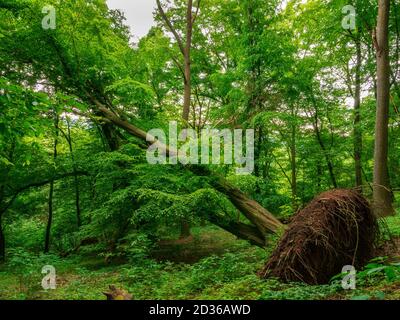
{"x": 262, "y": 221}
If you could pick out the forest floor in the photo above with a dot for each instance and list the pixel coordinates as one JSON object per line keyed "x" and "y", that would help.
{"x": 214, "y": 265}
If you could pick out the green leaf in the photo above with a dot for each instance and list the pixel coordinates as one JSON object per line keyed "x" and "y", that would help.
{"x": 362, "y": 297}
{"x": 390, "y": 274}
{"x": 380, "y": 295}
{"x": 376, "y": 270}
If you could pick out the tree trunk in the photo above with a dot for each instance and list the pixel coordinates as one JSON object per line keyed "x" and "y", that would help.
{"x": 327, "y": 158}
{"x": 293, "y": 167}
{"x": 241, "y": 230}
{"x": 357, "y": 119}
{"x": 185, "y": 49}
{"x": 257, "y": 153}
{"x": 110, "y": 136}
{"x": 251, "y": 209}
{"x": 185, "y": 225}
{"x": 185, "y": 229}
{"x": 187, "y": 58}
{"x": 77, "y": 200}
{"x": 382, "y": 197}
{"x": 321, "y": 143}
{"x": 76, "y": 179}
{"x": 2, "y": 242}
{"x": 51, "y": 192}
{"x": 49, "y": 219}
{"x": 319, "y": 175}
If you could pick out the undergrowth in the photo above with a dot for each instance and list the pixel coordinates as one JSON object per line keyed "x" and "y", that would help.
{"x": 229, "y": 275}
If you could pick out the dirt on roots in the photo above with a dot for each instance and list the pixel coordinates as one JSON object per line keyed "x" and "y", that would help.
{"x": 336, "y": 229}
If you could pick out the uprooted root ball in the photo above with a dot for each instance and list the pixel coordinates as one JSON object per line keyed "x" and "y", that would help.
{"x": 336, "y": 229}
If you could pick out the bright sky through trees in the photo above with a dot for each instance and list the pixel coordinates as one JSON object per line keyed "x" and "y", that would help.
{"x": 139, "y": 14}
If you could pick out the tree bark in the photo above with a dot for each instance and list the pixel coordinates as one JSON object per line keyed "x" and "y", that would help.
{"x": 325, "y": 152}
{"x": 257, "y": 151}
{"x": 185, "y": 229}
{"x": 76, "y": 179}
{"x": 321, "y": 143}
{"x": 382, "y": 197}
{"x": 241, "y": 230}
{"x": 187, "y": 58}
{"x": 185, "y": 50}
{"x": 49, "y": 219}
{"x": 293, "y": 155}
{"x": 185, "y": 224}
{"x": 2, "y": 241}
{"x": 357, "y": 118}
{"x": 110, "y": 136}
{"x": 51, "y": 191}
{"x": 319, "y": 175}
{"x": 251, "y": 209}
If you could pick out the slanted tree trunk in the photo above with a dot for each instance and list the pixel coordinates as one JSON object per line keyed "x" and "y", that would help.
{"x": 382, "y": 197}
{"x": 241, "y": 230}
{"x": 251, "y": 209}
{"x": 261, "y": 218}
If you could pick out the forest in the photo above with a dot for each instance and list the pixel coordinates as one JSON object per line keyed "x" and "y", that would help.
{"x": 241, "y": 150}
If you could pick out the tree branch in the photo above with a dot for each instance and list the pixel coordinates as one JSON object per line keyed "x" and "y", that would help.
{"x": 19, "y": 190}
{"x": 171, "y": 27}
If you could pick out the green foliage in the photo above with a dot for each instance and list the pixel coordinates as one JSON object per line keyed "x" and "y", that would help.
{"x": 286, "y": 71}
{"x": 378, "y": 268}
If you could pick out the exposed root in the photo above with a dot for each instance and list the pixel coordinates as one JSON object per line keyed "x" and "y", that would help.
{"x": 336, "y": 229}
